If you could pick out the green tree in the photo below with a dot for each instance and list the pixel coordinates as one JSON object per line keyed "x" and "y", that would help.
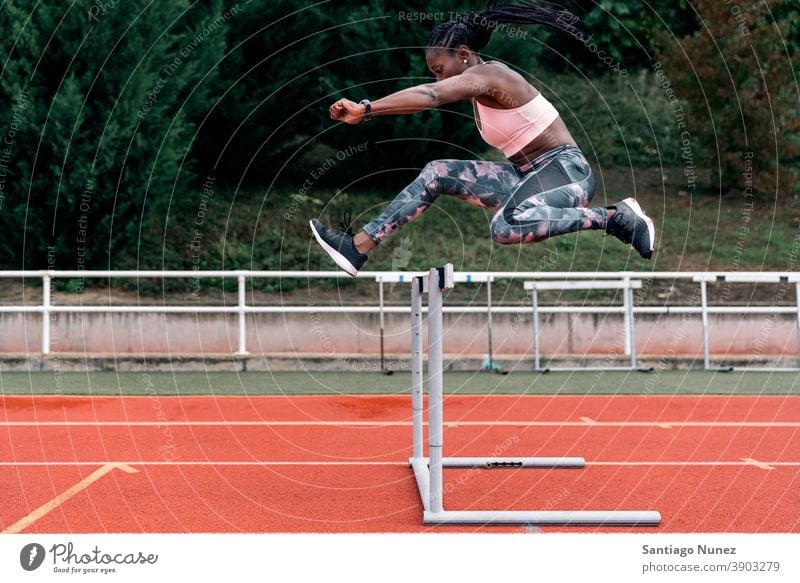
{"x": 285, "y": 69}
{"x": 740, "y": 90}
{"x": 621, "y": 35}
{"x": 114, "y": 92}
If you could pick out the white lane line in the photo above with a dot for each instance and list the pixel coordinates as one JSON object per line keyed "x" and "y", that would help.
{"x": 560, "y": 396}
{"x": 758, "y": 464}
{"x": 268, "y": 423}
{"x": 21, "y": 524}
{"x": 374, "y": 463}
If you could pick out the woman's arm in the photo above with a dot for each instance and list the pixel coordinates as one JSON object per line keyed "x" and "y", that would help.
{"x": 419, "y": 98}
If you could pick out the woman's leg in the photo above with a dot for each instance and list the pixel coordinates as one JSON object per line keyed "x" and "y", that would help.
{"x": 550, "y": 200}
{"x": 481, "y": 183}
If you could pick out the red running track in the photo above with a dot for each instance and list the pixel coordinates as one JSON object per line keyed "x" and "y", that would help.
{"x": 339, "y": 463}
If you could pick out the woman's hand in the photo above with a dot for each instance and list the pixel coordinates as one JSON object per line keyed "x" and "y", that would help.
{"x": 348, "y": 111}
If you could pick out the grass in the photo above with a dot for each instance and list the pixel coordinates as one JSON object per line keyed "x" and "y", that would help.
{"x": 700, "y": 232}
{"x": 666, "y": 382}
{"x": 694, "y": 233}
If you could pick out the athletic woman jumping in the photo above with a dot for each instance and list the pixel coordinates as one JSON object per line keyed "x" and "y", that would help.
{"x": 544, "y": 188}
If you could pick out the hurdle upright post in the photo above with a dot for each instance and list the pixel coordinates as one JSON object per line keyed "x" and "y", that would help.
{"x": 241, "y": 309}
{"x": 535, "y": 320}
{"x": 797, "y": 300}
{"x": 381, "y": 322}
{"x": 489, "y": 321}
{"x": 416, "y": 366}
{"x": 704, "y": 317}
{"x": 630, "y": 320}
{"x": 46, "y": 305}
{"x": 435, "y": 389}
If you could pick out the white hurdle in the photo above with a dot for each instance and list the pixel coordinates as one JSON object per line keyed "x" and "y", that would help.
{"x": 428, "y": 470}
{"x": 626, "y": 285}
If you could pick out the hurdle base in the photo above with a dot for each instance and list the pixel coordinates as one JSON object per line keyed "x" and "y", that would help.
{"x": 422, "y": 472}
{"x": 759, "y": 369}
{"x": 592, "y": 368}
{"x": 543, "y": 518}
{"x": 421, "y": 469}
{"x": 492, "y": 463}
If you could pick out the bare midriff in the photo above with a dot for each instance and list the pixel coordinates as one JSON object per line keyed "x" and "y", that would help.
{"x": 555, "y": 135}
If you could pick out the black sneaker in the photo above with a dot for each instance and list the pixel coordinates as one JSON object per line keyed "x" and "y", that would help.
{"x": 630, "y": 225}
{"x": 339, "y": 246}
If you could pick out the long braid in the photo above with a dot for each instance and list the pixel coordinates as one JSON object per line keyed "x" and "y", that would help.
{"x": 474, "y": 29}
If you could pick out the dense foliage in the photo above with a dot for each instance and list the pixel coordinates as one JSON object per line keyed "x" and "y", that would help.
{"x": 737, "y": 79}
{"x": 127, "y": 125}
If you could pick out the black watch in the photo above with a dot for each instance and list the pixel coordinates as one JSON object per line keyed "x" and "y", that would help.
{"x": 368, "y": 109}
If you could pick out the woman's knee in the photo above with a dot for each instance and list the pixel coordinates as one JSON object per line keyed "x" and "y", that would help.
{"x": 436, "y": 176}
{"x": 436, "y": 168}
{"x": 590, "y": 184}
{"x": 505, "y": 233}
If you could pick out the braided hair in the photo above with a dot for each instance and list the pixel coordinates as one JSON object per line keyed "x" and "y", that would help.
{"x": 474, "y": 29}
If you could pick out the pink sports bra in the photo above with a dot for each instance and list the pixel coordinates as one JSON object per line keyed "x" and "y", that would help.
{"x": 510, "y": 130}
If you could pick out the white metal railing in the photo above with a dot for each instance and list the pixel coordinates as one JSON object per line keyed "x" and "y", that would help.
{"x": 570, "y": 280}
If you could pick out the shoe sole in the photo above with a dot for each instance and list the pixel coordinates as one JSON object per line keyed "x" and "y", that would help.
{"x": 651, "y": 228}
{"x": 340, "y": 259}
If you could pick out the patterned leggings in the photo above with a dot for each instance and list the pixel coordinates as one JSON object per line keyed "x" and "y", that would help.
{"x": 547, "y": 199}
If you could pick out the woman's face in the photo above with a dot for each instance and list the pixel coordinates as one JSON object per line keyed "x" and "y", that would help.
{"x": 444, "y": 63}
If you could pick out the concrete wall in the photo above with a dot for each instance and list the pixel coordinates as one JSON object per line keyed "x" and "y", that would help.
{"x": 322, "y": 334}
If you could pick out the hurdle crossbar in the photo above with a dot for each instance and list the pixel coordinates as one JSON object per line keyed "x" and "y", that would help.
{"x": 428, "y": 470}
